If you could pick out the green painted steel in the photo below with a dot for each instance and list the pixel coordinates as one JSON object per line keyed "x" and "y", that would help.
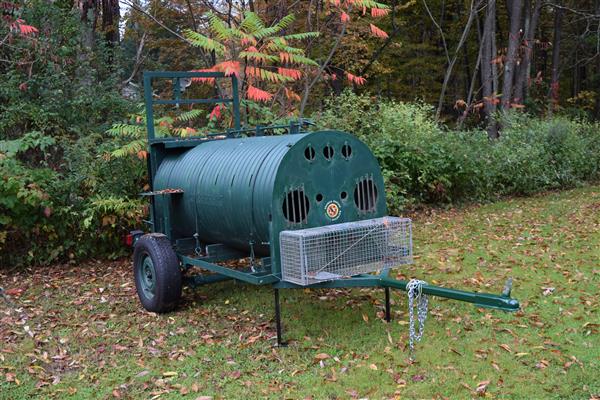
{"x": 235, "y": 191}
{"x": 148, "y": 276}
{"x": 500, "y": 302}
{"x": 240, "y": 193}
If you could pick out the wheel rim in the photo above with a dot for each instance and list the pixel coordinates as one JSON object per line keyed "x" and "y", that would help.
{"x": 147, "y": 276}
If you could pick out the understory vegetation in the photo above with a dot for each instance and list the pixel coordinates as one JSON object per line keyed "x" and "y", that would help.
{"x": 79, "y": 331}
{"x": 424, "y": 162}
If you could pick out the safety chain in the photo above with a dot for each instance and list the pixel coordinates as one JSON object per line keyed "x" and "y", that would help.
{"x": 414, "y": 290}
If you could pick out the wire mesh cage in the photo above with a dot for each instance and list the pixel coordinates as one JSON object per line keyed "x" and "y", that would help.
{"x": 339, "y": 251}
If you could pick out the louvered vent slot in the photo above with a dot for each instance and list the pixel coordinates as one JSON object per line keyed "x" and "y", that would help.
{"x": 365, "y": 194}
{"x": 295, "y": 206}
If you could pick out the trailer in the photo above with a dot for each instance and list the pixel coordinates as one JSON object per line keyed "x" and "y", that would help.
{"x": 307, "y": 209}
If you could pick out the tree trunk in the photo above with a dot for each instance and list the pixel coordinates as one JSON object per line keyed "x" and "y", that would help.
{"x": 463, "y": 38}
{"x": 488, "y": 66}
{"x": 555, "y": 84}
{"x": 514, "y": 40}
{"x": 524, "y": 74}
{"x": 597, "y": 77}
{"x": 89, "y": 15}
{"x": 110, "y": 21}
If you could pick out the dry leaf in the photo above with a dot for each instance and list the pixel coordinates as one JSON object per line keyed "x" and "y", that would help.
{"x": 482, "y": 387}
{"x": 506, "y": 347}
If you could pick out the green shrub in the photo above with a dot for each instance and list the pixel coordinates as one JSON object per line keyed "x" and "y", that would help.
{"x": 59, "y": 198}
{"x": 424, "y": 162}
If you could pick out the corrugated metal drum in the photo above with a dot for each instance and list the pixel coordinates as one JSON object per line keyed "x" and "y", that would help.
{"x": 237, "y": 191}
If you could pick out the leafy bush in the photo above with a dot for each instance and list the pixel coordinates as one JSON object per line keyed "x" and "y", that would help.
{"x": 424, "y": 162}
{"x": 59, "y": 198}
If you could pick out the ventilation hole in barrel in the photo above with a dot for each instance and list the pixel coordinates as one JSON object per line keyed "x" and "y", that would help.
{"x": 309, "y": 153}
{"x": 343, "y": 195}
{"x": 346, "y": 151}
{"x": 295, "y": 206}
{"x": 328, "y": 152}
{"x": 319, "y": 197}
{"x": 365, "y": 195}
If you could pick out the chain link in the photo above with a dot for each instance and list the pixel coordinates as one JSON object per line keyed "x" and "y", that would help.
{"x": 414, "y": 290}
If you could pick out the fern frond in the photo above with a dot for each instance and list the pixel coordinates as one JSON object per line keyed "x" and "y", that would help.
{"x": 129, "y": 149}
{"x": 301, "y": 36}
{"x": 285, "y": 22}
{"x": 364, "y": 4}
{"x": 189, "y": 115}
{"x": 251, "y": 23}
{"x": 204, "y": 42}
{"x": 270, "y": 31}
{"x": 280, "y": 44}
{"x": 258, "y": 56}
{"x": 296, "y": 59}
{"x": 218, "y": 27}
{"x": 164, "y": 121}
{"x": 126, "y": 130}
{"x": 267, "y": 75}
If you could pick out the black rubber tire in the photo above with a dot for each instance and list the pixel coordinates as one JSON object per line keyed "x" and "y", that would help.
{"x": 167, "y": 280}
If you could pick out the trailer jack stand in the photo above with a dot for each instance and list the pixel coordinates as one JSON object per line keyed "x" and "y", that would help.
{"x": 388, "y": 316}
{"x": 280, "y": 342}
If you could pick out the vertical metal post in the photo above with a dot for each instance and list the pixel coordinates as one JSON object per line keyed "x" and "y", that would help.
{"x": 388, "y": 316}
{"x": 236, "y": 103}
{"x": 149, "y": 106}
{"x": 280, "y": 342}
{"x": 149, "y": 103}
{"x": 176, "y": 90}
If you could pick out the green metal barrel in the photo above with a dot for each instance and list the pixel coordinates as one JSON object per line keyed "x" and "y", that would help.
{"x": 244, "y": 191}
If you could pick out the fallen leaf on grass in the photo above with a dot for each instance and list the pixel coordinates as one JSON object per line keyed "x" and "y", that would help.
{"x": 506, "y": 347}
{"x": 322, "y": 356}
{"x": 482, "y": 388}
{"x": 14, "y": 292}
{"x": 373, "y": 367}
{"x": 542, "y": 364}
{"x": 548, "y": 291}
{"x": 142, "y": 374}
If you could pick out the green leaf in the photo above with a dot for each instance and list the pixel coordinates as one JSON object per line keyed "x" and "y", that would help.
{"x": 218, "y": 27}
{"x": 204, "y": 42}
{"x": 301, "y": 36}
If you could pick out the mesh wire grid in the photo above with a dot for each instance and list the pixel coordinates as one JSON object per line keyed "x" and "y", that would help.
{"x": 339, "y": 251}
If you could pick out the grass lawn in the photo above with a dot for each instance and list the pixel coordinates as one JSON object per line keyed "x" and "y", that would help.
{"x": 80, "y": 332}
